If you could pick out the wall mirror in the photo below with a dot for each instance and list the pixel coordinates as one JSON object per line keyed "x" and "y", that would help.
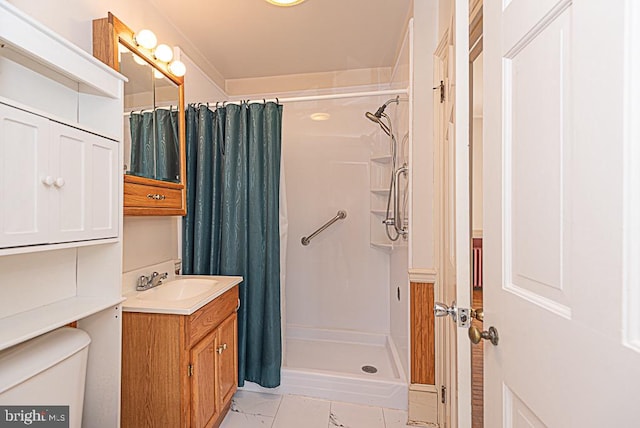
{"x": 154, "y": 125}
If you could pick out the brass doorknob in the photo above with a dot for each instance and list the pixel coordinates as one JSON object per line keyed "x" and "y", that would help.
{"x": 476, "y": 335}
{"x": 478, "y": 314}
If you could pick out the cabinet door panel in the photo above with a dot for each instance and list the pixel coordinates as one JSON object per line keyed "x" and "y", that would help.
{"x": 228, "y": 358}
{"x": 86, "y": 207}
{"x": 104, "y": 192}
{"x": 69, "y": 166}
{"x": 204, "y": 406}
{"x": 24, "y": 153}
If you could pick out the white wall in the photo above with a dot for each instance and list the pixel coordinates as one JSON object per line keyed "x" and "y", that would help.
{"x": 422, "y": 249}
{"x": 338, "y": 281}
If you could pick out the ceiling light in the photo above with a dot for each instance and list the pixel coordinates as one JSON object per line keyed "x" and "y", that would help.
{"x": 285, "y": 2}
{"x": 163, "y": 53}
{"x": 146, "y": 39}
{"x": 177, "y": 68}
{"x": 320, "y": 116}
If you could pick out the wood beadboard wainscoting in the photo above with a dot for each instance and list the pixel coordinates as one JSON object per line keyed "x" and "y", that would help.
{"x": 423, "y": 394}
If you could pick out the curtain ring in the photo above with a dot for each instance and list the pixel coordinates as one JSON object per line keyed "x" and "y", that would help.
{"x": 223, "y": 104}
{"x": 264, "y": 101}
{"x": 277, "y": 101}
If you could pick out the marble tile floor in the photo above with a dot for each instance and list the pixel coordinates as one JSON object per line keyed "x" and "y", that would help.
{"x": 257, "y": 410}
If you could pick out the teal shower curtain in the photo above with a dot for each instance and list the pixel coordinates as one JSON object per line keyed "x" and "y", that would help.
{"x": 155, "y": 147}
{"x": 232, "y": 221}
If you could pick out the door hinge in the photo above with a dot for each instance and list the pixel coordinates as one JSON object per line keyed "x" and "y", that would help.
{"x": 190, "y": 370}
{"x": 443, "y": 394}
{"x": 441, "y": 88}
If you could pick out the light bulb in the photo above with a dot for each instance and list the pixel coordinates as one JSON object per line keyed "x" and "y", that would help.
{"x": 146, "y": 39}
{"x": 163, "y": 53}
{"x": 138, "y": 60}
{"x": 177, "y": 68}
{"x": 157, "y": 74}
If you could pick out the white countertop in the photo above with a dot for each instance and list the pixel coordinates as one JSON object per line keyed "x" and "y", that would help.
{"x": 134, "y": 303}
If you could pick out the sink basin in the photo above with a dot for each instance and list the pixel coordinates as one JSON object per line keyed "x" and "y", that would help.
{"x": 179, "y": 289}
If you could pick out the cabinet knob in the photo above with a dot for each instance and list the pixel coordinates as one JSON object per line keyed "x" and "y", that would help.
{"x": 59, "y": 182}
{"x": 47, "y": 181}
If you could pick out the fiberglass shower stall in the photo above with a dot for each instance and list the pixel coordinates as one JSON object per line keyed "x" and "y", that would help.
{"x": 345, "y": 328}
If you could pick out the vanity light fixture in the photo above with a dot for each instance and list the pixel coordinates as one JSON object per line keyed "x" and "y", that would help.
{"x": 285, "y": 2}
{"x": 157, "y": 74}
{"x": 163, "y": 53}
{"x": 146, "y": 39}
{"x": 177, "y": 68}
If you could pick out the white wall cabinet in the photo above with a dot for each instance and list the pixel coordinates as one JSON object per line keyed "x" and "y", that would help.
{"x": 61, "y": 200}
{"x": 57, "y": 182}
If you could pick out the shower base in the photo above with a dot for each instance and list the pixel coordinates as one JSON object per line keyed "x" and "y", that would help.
{"x": 337, "y": 365}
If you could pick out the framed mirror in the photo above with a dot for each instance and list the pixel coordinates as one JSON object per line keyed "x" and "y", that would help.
{"x": 154, "y": 124}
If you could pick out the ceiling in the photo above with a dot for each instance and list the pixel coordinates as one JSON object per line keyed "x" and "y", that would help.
{"x": 252, "y": 38}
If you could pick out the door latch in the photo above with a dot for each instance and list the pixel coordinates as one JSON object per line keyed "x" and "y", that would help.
{"x": 461, "y": 316}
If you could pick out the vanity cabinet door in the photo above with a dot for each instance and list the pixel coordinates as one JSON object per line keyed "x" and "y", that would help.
{"x": 204, "y": 404}
{"x": 227, "y": 359}
{"x": 24, "y": 192}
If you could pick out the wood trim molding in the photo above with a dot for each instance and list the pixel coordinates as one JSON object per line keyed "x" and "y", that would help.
{"x": 423, "y": 349}
{"x": 423, "y": 275}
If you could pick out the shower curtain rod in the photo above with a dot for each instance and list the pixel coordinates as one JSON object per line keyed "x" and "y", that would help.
{"x": 404, "y": 91}
{"x": 126, "y": 113}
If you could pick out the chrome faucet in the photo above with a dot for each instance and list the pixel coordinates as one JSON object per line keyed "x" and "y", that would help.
{"x": 153, "y": 280}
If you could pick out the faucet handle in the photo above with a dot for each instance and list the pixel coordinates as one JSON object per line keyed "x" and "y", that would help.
{"x": 143, "y": 281}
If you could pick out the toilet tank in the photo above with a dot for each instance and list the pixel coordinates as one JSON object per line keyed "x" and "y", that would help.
{"x": 46, "y": 371}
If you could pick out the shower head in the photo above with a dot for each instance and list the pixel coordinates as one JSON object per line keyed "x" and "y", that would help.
{"x": 377, "y": 118}
{"x": 379, "y": 114}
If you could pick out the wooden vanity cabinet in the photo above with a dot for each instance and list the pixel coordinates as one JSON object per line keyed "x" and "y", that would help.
{"x": 180, "y": 370}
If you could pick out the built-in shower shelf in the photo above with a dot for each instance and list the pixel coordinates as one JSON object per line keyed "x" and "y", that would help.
{"x": 380, "y": 191}
{"x": 381, "y": 213}
{"x": 387, "y": 246}
{"x": 381, "y": 158}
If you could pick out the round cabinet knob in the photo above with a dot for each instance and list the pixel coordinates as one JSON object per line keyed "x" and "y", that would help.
{"x": 47, "y": 181}
{"x": 59, "y": 182}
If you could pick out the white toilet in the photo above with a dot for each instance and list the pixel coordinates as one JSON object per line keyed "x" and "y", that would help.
{"x": 48, "y": 370}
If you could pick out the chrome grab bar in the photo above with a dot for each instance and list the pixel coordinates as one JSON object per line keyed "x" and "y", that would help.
{"x": 342, "y": 214}
{"x": 398, "y": 223}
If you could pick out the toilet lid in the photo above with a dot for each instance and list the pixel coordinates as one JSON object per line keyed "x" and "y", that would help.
{"x": 27, "y": 359}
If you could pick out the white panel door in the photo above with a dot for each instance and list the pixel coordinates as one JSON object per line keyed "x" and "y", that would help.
{"x": 25, "y": 179}
{"x": 554, "y": 259}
